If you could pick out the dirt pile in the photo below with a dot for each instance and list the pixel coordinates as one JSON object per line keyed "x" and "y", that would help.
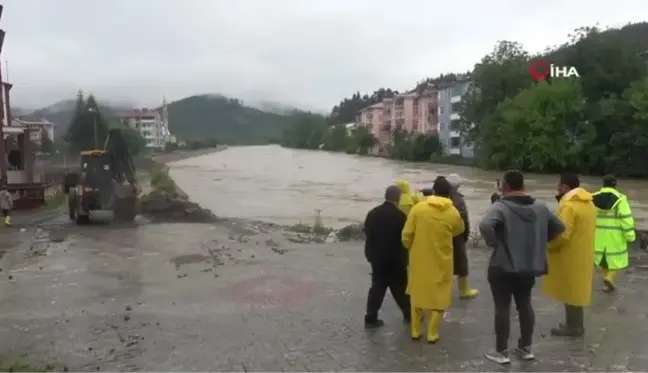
{"x": 165, "y": 206}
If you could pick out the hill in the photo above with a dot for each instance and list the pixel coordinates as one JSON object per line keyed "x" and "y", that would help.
{"x": 61, "y": 113}
{"x": 225, "y": 119}
{"x": 200, "y": 116}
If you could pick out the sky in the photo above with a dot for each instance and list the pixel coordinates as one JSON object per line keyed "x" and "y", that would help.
{"x": 304, "y": 53}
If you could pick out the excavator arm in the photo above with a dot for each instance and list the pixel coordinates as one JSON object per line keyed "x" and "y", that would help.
{"x": 119, "y": 157}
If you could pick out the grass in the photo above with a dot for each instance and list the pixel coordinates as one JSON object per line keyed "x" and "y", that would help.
{"x": 23, "y": 368}
{"x": 56, "y": 201}
{"x": 162, "y": 181}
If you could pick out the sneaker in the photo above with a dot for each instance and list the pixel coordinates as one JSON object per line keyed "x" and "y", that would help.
{"x": 524, "y": 353}
{"x": 374, "y": 324}
{"x": 498, "y": 357}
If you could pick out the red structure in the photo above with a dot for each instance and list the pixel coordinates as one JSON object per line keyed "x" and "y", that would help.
{"x": 18, "y": 153}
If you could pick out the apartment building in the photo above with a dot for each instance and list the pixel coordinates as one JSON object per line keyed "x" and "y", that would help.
{"x": 449, "y": 101}
{"x": 414, "y": 112}
{"x": 153, "y": 125}
{"x": 38, "y": 127}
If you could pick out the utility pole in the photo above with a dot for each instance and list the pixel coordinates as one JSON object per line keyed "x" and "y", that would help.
{"x": 94, "y": 127}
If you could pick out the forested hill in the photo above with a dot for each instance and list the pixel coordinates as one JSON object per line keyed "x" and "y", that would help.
{"x": 225, "y": 119}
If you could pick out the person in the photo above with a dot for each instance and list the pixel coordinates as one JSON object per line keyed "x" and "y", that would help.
{"x": 570, "y": 256}
{"x": 427, "y": 235}
{"x": 6, "y": 204}
{"x": 460, "y": 256}
{"x": 614, "y": 229}
{"x": 517, "y": 228}
{"x": 497, "y": 194}
{"x": 407, "y": 199}
{"x": 387, "y": 256}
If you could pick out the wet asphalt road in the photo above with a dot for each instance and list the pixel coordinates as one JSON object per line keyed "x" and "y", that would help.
{"x": 180, "y": 297}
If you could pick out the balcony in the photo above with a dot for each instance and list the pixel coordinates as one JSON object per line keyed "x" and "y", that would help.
{"x": 386, "y": 128}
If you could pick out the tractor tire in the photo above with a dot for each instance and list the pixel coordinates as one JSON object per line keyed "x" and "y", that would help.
{"x": 72, "y": 204}
{"x": 82, "y": 219}
{"x": 124, "y": 209}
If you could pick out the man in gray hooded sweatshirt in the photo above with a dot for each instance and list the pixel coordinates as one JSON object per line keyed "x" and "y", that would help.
{"x": 518, "y": 229}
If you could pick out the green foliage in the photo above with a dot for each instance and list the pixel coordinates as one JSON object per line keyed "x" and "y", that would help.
{"x": 347, "y": 110}
{"x": 416, "y": 148}
{"x": 162, "y": 181}
{"x": 201, "y": 144}
{"x": 593, "y": 124}
{"x": 88, "y": 129}
{"x": 306, "y": 131}
{"x": 213, "y": 116}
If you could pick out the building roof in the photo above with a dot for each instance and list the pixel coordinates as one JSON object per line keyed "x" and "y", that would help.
{"x": 31, "y": 120}
{"x": 139, "y": 113}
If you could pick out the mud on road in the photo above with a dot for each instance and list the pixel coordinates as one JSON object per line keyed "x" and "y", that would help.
{"x": 236, "y": 296}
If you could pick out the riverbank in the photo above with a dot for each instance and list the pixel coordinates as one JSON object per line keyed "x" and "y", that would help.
{"x": 179, "y": 155}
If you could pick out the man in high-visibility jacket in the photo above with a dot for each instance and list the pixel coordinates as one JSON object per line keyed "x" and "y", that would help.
{"x": 614, "y": 229}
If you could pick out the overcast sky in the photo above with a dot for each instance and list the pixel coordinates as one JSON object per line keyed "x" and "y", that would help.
{"x": 310, "y": 53}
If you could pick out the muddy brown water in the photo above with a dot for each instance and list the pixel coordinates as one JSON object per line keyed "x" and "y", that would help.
{"x": 289, "y": 186}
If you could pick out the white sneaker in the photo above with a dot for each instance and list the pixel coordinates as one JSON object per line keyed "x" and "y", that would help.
{"x": 524, "y": 353}
{"x": 498, "y": 357}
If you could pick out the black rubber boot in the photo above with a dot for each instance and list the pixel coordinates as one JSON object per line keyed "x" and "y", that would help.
{"x": 573, "y": 326}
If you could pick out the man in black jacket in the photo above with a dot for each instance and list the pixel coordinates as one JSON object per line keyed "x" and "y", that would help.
{"x": 388, "y": 258}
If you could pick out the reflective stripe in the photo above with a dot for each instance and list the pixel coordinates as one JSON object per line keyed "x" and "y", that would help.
{"x": 611, "y": 216}
{"x": 613, "y": 228}
{"x": 607, "y": 253}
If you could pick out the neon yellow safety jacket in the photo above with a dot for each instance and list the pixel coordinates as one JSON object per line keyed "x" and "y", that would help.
{"x": 614, "y": 229}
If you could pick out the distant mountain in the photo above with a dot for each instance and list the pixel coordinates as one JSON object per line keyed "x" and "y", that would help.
{"x": 60, "y": 113}
{"x": 271, "y": 107}
{"x": 201, "y": 116}
{"x": 225, "y": 119}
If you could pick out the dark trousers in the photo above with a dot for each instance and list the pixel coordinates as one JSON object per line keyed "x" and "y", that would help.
{"x": 384, "y": 276}
{"x": 460, "y": 259}
{"x": 504, "y": 289}
{"x": 5, "y": 213}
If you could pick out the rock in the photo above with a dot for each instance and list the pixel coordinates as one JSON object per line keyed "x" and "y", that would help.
{"x": 162, "y": 206}
{"x": 351, "y": 232}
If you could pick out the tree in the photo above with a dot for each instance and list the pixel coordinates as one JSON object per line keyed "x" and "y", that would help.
{"x": 541, "y": 129}
{"x": 306, "y": 132}
{"x": 347, "y": 110}
{"x": 500, "y": 75}
{"x": 361, "y": 140}
{"x": 88, "y": 129}
{"x": 46, "y": 143}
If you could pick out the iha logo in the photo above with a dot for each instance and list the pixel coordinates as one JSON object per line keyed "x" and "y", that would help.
{"x": 541, "y": 70}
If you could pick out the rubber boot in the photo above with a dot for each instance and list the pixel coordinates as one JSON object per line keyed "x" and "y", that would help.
{"x": 465, "y": 292}
{"x": 608, "y": 280}
{"x": 7, "y": 221}
{"x": 573, "y": 326}
{"x": 433, "y": 326}
{"x": 415, "y": 325}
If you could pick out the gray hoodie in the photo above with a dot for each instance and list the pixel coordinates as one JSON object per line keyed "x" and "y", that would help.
{"x": 6, "y": 202}
{"x": 518, "y": 230}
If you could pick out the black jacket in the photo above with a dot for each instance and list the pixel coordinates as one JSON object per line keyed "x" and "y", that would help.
{"x": 383, "y": 228}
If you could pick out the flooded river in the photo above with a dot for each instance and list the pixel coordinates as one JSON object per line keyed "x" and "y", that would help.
{"x": 288, "y": 186}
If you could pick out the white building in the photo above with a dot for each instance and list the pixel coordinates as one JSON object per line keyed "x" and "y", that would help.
{"x": 153, "y": 125}
{"x": 37, "y": 126}
{"x": 449, "y": 119}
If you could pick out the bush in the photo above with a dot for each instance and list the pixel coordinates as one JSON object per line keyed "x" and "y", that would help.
{"x": 162, "y": 181}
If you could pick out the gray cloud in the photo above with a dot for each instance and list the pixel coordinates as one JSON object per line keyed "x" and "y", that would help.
{"x": 304, "y": 52}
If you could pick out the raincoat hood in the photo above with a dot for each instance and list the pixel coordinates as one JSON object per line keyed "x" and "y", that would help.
{"x": 439, "y": 203}
{"x": 404, "y": 186}
{"x": 522, "y": 206}
{"x": 578, "y": 195}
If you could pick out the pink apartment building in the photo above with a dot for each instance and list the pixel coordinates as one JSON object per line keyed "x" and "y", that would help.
{"x": 415, "y": 112}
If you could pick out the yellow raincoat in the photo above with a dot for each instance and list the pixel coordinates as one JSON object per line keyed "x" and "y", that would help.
{"x": 428, "y": 236}
{"x": 407, "y": 199}
{"x": 570, "y": 256}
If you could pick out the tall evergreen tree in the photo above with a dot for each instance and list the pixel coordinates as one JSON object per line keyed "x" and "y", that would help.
{"x": 88, "y": 129}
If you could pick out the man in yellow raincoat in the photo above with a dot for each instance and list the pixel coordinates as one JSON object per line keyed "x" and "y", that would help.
{"x": 407, "y": 199}
{"x": 427, "y": 235}
{"x": 614, "y": 229}
{"x": 570, "y": 256}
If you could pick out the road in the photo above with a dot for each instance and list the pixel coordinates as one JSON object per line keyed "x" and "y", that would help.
{"x": 191, "y": 297}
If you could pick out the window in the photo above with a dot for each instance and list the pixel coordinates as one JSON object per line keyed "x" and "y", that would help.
{"x": 441, "y": 109}
{"x": 455, "y": 142}
{"x": 454, "y": 124}
{"x": 455, "y": 107}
